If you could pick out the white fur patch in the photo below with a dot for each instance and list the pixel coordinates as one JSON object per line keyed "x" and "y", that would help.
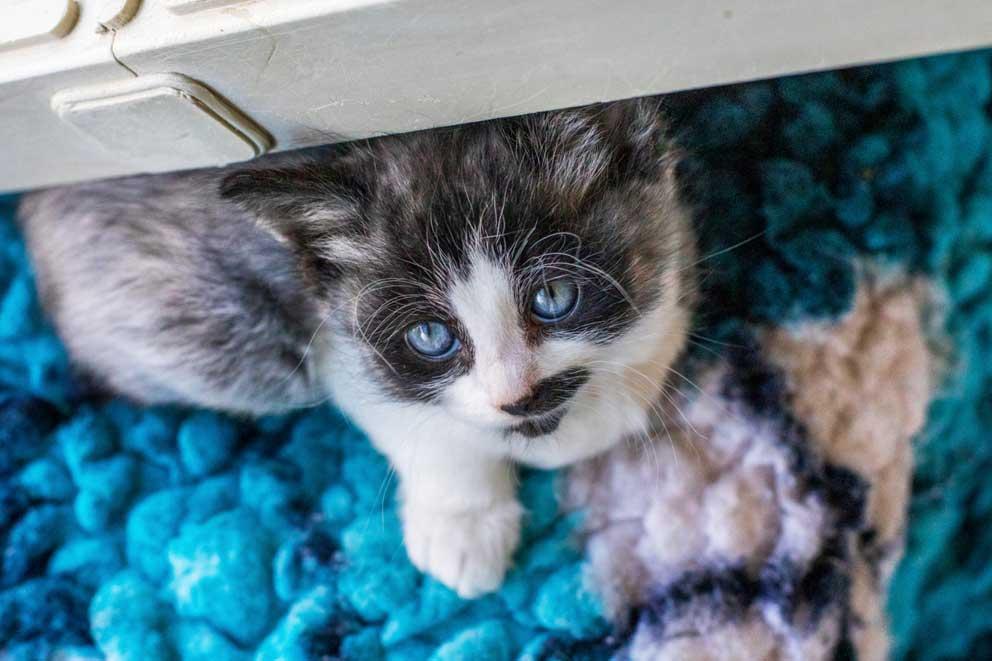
{"x": 503, "y": 367}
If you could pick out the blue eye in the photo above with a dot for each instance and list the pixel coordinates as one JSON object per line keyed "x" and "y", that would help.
{"x": 554, "y": 301}
{"x": 432, "y": 340}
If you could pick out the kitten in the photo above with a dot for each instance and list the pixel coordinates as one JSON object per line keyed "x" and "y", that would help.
{"x": 512, "y": 291}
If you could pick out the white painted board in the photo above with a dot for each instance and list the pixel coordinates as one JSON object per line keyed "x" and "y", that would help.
{"x": 314, "y": 71}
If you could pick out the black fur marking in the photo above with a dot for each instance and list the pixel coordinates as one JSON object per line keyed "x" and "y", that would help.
{"x": 550, "y": 393}
{"x": 383, "y": 318}
{"x": 539, "y": 426}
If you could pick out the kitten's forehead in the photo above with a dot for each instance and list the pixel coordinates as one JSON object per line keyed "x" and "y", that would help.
{"x": 485, "y": 302}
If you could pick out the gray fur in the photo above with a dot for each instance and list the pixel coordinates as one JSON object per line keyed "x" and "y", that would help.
{"x": 165, "y": 294}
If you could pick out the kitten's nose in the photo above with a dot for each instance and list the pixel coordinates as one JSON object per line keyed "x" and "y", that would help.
{"x": 548, "y": 394}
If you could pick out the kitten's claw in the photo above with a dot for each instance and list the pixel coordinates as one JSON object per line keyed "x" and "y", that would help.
{"x": 467, "y": 550}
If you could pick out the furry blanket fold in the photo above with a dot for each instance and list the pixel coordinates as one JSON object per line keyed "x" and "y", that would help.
{"x": 763, "y": 521}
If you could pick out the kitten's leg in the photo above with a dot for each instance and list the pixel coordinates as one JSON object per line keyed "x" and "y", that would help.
{"x": 461, "y": 518}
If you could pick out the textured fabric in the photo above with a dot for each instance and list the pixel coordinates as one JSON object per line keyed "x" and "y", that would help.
{"x": 763, "y": 519}
{"x": 162, "y": 534}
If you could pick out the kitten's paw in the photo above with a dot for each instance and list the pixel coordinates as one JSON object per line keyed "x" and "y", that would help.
{"x": 467, "y": 550}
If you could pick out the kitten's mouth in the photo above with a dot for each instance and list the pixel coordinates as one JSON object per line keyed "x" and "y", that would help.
{"x": 540, "y": 426}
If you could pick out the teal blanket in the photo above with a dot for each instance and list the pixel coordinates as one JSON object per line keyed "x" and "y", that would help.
{"x": 161, "y": 533}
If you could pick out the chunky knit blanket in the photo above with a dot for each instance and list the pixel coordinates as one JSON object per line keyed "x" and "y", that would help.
{"x": 845, "y": 222}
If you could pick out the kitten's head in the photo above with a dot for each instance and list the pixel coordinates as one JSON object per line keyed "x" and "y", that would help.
{"x": 508, "y": 271}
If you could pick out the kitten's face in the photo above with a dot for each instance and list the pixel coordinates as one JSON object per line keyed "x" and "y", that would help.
{"x": 506, "y": 272}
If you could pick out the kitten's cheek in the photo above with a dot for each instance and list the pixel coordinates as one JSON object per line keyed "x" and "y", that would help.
{"x": 484, "y": 419}
{"x": 558, "y": 355}
{"x": 467, "y": 403}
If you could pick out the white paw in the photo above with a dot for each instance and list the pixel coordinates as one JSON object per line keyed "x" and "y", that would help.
{"x": 467, "y": 550}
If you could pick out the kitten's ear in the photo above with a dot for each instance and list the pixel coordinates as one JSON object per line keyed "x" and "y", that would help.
{"x": 579, "y": 149}
{"x": 296, "y": 201}
{"x": 313, "y": 207}
{"x": 641, "y": 141}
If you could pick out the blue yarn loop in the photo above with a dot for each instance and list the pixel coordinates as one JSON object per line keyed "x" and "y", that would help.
{"x": 164, "y": 533}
